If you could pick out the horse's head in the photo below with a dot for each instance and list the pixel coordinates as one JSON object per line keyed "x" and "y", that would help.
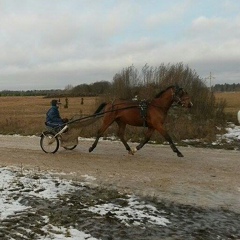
{"x": 182, "y": 98}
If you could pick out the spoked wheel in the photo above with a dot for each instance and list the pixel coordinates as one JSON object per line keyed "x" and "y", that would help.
{"x": 70, "y": 147}
{"x": 48, "y": 142}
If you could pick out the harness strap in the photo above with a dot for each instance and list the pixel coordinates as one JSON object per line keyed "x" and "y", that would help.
{"x": 143, "y": 105}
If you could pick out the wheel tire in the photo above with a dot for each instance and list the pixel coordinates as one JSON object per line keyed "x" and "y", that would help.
{"x": 45, "y": 145}
{"x": 70, "y": 148}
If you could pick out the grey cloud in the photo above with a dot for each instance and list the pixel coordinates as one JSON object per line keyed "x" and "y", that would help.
{"x": 44, "y": 46}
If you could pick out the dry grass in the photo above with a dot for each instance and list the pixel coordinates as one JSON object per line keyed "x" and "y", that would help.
{"x": 26, "y": 115}
{"x": 232, "y": 101}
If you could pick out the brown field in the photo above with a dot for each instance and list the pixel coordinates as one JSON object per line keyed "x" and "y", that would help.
{"x": 26, "y": 115}
{"x": 232, "y": 101}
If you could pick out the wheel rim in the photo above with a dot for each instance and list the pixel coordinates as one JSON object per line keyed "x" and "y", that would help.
{"x": 49, "y": 144}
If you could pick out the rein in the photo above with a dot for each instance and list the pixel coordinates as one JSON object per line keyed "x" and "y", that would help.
{"x": 99, "y": 114}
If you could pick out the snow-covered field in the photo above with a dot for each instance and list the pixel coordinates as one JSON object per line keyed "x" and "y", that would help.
{"x": 17, "y": 184}
{"x": 233, "y": 133}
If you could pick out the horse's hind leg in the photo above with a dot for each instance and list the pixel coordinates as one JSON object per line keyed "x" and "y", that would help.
{"x": 105, "y": 125}
{"x": 164, "y": 133}
{"x": 94, "y": 144}
{"x": 148, "y": 135}
{"x": 120, "y": 133}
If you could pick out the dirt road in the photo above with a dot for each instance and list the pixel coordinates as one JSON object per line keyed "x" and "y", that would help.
{"x": 204, "y": 177}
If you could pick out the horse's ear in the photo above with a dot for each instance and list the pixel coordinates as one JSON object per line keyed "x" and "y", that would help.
{"x": 177, "y": 88}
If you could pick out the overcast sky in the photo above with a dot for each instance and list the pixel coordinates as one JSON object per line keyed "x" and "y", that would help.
{"x": 47, "y": 44}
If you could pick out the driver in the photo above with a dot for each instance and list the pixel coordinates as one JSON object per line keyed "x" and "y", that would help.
{"x": 53, "y": 118}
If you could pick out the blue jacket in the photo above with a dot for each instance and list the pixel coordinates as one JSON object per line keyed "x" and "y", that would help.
{"x": 53, "y": 118}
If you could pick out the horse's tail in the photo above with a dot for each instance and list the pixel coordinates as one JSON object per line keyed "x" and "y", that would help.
{"x": 100, "y": 108}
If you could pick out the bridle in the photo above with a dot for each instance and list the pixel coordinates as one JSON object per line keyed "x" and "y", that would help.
{"x": 177, "y": 99}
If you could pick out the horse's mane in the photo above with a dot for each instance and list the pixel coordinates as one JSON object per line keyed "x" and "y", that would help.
{"x": 163, "y": 91}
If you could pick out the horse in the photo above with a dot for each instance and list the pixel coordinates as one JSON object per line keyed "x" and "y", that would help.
{"x": 125, "y": 112}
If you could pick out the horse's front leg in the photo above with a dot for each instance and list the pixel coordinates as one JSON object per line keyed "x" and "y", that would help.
{"x": 148, "y": 135}
{"x": 174, "y": 148}
{"x": 120, "y": 133}
{"x": 164, "y": 133}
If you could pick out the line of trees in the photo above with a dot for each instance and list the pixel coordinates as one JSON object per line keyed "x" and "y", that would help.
{"x": 94, "y": 89}
{"x": 227, "y": 87}
{"x": 53, "y": 92}
{"x": 130, "y": 82}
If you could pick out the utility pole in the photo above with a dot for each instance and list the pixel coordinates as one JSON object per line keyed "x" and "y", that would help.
{"x": 211, "y": 80}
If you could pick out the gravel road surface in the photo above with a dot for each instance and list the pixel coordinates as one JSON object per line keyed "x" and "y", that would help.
{"x": 204, "y": 177}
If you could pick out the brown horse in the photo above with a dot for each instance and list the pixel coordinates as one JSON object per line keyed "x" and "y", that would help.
{"x": 128, "y": 112}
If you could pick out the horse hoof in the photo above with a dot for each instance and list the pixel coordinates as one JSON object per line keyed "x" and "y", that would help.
{"x": 131, "y": 152}
{"x": 90, "y": 149}
{"x": 180, "y": 154}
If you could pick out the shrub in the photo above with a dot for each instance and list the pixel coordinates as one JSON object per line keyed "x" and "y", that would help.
{"x": 199, "y": 122}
